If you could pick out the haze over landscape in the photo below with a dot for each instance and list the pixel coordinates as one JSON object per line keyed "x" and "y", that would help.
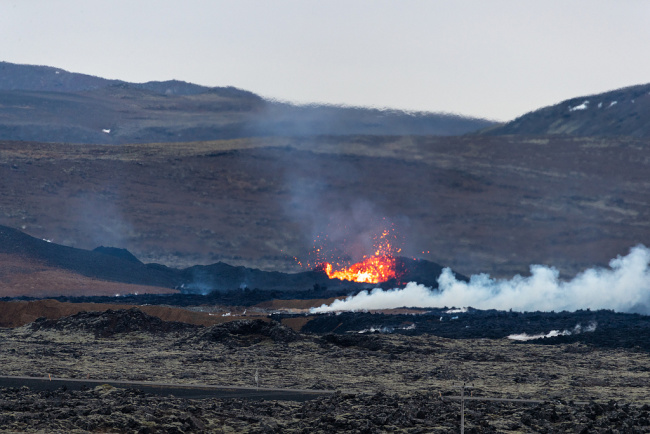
{"x": 344, "y": 210}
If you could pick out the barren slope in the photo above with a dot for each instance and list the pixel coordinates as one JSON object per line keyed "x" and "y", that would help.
{"x": 475, "y": 203}
{"x": 24, "y": 277}
{"x": 52, "y": 105}
{"x": 620, "y": 112}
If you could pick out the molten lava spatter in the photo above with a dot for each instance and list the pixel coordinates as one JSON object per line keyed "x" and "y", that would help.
{"x": 374, "y": 269}
{"x": 377, "y": 268}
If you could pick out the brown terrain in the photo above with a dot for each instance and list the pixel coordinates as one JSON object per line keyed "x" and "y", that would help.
{"x": 475, "y": 203}
{"x": 19, "y": 313}
{"x": 24, "y": 276}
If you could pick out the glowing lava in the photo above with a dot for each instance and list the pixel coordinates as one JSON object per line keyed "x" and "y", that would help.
{"x": 374, "y": 269}
{"x": 377, "y": 268}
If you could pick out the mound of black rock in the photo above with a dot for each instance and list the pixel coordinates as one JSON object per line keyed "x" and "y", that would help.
{"x": 370, "y": 342}
{"x": 111, "y": 322}
{"x": 247, "y": 332}
{"x": 235, "y": 297}
{"x": 601, "y": 328}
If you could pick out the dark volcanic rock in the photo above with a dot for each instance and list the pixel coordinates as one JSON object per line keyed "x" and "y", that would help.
{"x": 224, "y": 282}
{"x": 246, "y": 332}
{"x": 221, "y": 277}
{"x": 370, "y": 342}
{"x": 111, "y": 322}
{"x": 420, "y": 271}
{"x": 237, "y": 297}
{"x": 599, "y": 329}
{"x": 613, "y": 330}
{"x": 202, "y": 279}
{"x": 118, "y": 253}
{"x": 95, "y": 264}
{"x": 107, "y": 409}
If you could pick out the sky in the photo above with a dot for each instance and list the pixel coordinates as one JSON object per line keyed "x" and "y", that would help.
{"x": 495, "y": 59}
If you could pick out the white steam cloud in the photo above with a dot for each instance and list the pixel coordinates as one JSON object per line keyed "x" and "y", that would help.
{"x": 623, "y": 287}
{"x": 591, "y": 327}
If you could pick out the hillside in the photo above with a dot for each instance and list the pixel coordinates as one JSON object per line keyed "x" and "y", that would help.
{"x": 52, "y": 105}
{"x": 621, "y": 112}
{"x": 47, "y": 79}
{"x": 32, "y": 267}
{"x": 474, "y": 203}
{"x": 478, "y": 203}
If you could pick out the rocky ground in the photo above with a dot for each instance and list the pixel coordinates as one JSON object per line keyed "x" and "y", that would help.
{"x": 384, "y": 382}
{"x": 108, "y": 409}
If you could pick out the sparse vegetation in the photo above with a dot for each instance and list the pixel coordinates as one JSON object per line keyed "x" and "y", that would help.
{"x": 396, "y": 385}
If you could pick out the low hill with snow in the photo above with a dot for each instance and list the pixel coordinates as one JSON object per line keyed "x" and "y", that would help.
{"x": 621, "y": 112}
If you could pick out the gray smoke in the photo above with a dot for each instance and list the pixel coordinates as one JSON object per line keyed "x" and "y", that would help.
{"x": 623, "y": 287}
{"x": 346, "y": 232}
{"x": 100, "y": 221}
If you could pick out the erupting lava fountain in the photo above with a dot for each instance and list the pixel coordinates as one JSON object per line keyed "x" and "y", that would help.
{"x": 380, "y": 267}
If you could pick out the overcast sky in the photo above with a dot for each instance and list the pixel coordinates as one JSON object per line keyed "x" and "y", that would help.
{"x": 487, "y": 58}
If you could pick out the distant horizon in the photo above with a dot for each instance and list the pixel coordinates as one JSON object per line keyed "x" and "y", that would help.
{"x": 275, "y": 100}
{"x": 492, "y": 60}
{"x": 327, "y": 104}
{"x": 280, "y": 99}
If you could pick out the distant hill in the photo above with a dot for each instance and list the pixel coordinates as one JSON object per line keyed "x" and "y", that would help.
{"x": 36, "y": 268}
{"x": 621, "y": 112}
{"x": 47, "y": 79}
{"x": 50, "y": 259}
{"x": 41, "y": 103}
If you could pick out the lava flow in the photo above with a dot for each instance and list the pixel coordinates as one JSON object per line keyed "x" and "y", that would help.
{"x": 377, "y": 268}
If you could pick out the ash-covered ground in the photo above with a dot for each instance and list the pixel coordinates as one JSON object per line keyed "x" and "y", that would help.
{"x": 385, "y": 382}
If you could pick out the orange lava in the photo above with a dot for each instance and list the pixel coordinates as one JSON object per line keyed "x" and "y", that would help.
{"x": 374, "y": 269}
{"x": 377, "y": 268}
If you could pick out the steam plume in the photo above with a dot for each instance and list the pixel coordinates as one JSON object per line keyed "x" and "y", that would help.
{"x": 623, "y": 287}
{"x": 591, "y": 327}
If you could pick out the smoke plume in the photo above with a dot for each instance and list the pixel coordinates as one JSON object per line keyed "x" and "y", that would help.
{"x": 623, "y": 287}
{"x": 578, "y": 329}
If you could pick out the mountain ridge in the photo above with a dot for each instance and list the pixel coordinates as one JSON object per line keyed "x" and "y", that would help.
{"x": 46, "y": 104}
